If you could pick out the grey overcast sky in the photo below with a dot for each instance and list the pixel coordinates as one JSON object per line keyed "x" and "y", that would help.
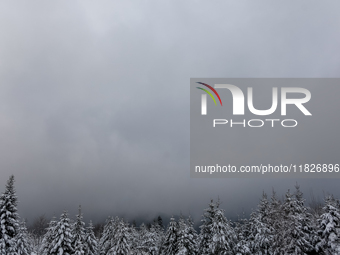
{"x": 94, "y": 97}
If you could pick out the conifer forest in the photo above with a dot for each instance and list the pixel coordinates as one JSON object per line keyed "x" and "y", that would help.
{"x": 277, "y": 226}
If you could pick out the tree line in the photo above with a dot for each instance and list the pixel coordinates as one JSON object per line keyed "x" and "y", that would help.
{"x": 285, "y": 226}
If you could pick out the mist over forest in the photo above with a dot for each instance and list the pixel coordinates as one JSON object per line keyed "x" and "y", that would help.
{"x": 276, "y": 226}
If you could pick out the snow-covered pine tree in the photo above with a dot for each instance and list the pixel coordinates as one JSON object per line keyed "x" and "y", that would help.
{"x": 217, "y": 235}
{"x": 134, "y": 238}
{"x": 306, "y": 222}
{"x": 181, "y": 236}
{"x": 252, "y": 231}
{"x": 78, "y": 233}
{"x": 107, "y": 236}
{"x": 294, "y": 238}
{"x": 169, "y": 246}
{"x": 242, "y": 232}
{"x": 142, "y": 240}
{"x": 287, "y": 226}
{"x": 151, "y": 239}
{"x": 261, "y": 228}
{"x": 329, "y": 228}
{"x": 24, "y": 247}
{"x": 275, "y": 221}
{"x": 158, "y": 232}
{"x": 223, "y": 235}
{"x": 181, "y": 228}
{"x": 138, "y": 237}
{"x": 120, "y": 244}
{"x": 187, "y": 237}
{"x": 91, "y": 244}
{"x": 9, "y": 219}
{"x": 193, "y": 233}
{"x": 206, "y": 234}
{"x": 62, "y": 237}
{"x": 47, "y": 239}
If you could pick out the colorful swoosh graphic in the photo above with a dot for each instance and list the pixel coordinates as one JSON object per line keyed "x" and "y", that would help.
{"x": 208, "y": 93}
{"x": 213, "y": 90}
